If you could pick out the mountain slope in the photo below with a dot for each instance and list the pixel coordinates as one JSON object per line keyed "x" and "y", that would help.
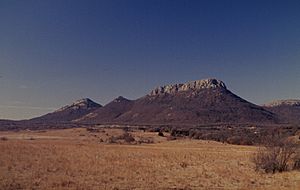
{"x": 287, "y": 110}
{"x": 109, "y": 112}
{"x": 70, "y": 112}
{"x": 197, "y": 102}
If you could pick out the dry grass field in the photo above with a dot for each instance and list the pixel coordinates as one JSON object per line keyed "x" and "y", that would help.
{"x": 79, "y": 159}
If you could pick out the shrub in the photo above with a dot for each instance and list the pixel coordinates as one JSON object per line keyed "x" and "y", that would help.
{"x": 112, "y": 139}
{"x": 93, "y": 130}
{"x": 146, "y": 140}
{"x": 276, "y": 154}
{"x": 155, "y": 129}
{"x": 161, "y": 134}
{"x": 127, "y": 137}
{"x": 296, "y": 165}
{"x": 3, "y": 138}
{"x": 183, "y": 164}
{"x": 171, "y": 138}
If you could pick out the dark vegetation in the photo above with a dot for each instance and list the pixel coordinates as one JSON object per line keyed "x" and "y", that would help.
{"x": 3, "y": 138}
{"x": 29, "y": 125}
{"x": 161, "y": 134}
{"x": 124, "y": 138}
{"x": 247, "y": 135}
{"x": 277, "y": 153}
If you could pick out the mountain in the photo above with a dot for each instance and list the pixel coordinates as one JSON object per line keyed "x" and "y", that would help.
{"x": 109, "y": 112}
{"x": 288, "y": 102}
{"x": 197, "y": 102}
{"x": 288, "y": 110}
{"x": 69, "y": 113}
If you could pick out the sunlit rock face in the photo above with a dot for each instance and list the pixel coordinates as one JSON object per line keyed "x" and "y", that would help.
{"x": 290, "y": 102}
{"x": 84, "y": 103}
{"x": 189, "y": 86}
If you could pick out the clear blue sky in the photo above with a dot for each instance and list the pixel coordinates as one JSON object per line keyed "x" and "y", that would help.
{"x": 54, "y": 52}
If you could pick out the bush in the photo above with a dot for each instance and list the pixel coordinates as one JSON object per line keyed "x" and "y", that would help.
{"x": 297, "y": 161}
{"x": 3, "y": 138}
{"x": 183, "y": 164}
{"x": 276, "y": 155}
{"x": 297, "y": 165}
{"x": 93, "y": 130}
{"x": 112, "y": 140}
{"x": 161, "y": 134}
{"x": 127, "y": 137}
{"x": 146, "y": 140}
{"x": 171, "y": 138}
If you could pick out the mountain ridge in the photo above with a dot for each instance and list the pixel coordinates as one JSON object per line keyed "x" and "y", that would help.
{"x": 191, "y": 85}
{"x": 285, "y": 102}
{"x": 288, "y": 110}
{"x": 196, "y": 102}
{"x": 70, "y": 112}
{"x": 199, "y": 102}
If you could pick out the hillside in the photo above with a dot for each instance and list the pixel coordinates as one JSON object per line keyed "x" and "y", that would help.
{"x": 196, "y": 102}
{"x": 69, "y": 113}
{"x": 288, "y": 110}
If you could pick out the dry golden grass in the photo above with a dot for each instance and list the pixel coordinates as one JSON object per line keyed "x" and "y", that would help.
{"x": 74, "y": 159}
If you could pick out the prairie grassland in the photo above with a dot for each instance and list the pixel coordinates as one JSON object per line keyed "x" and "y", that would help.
{"x": 75, "y": 159}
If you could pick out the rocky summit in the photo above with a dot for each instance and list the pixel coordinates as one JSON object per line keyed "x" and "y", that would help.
{"x": 70, "y": 112}
{"x": 84, "y": 103}
{"x": 189, "y": 86}
{"x": 288, "y": 110}
{"x": 289, "y": 102}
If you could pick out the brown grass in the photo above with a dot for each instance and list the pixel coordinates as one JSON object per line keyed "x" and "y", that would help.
{"x": 69, "y": 160}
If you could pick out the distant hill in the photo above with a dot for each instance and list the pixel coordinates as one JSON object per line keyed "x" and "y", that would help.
{"x": 288, "y": 102}
{"x": 201, "y": 102}
{"x": 69, "y": 113}
{"x": 197, "y": 102}
{"x": 109, "y": 112}
{"x": 287, "y": 110}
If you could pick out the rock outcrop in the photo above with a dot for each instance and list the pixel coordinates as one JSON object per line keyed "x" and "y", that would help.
{"x": 84, "y": 103}
{"x": 289, "y": 102}
{"x": 288, "y": 110}
{"x": 189, "y": 86}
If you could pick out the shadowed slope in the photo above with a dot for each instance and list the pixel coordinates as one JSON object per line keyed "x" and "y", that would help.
{"x": 205, "y": 106}
{"x": 70, "y": 112}
{"x": 109, "y": 112}
{"x": 197, "y": 102}
{"x": 288, "y": 110}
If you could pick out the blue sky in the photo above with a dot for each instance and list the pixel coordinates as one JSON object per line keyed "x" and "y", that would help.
{"x": 54, "y": 52}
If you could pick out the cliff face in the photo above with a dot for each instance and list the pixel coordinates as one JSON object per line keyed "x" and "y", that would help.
{"x": 189, "y": 86}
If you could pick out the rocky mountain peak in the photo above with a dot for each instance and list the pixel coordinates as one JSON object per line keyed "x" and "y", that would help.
{"x": 189, "y": 86}
{"x": 84, "y": 103}
{"x": 120, "y": 99}
{"x": 289, "y": 102}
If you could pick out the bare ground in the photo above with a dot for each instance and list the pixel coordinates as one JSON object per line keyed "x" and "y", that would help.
{"x": 78, "y": 159}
